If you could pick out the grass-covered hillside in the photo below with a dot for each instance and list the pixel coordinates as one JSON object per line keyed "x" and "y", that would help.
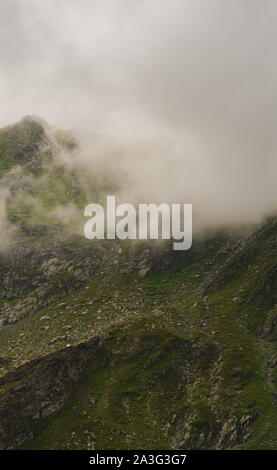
{"x": 120, "y": 345}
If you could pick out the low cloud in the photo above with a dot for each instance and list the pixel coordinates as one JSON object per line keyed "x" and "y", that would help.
{"x": 176, "y": 100}
{"x": 5, "y": 230}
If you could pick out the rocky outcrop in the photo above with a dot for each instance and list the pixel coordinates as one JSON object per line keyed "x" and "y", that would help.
{"x": 38, "y": 390}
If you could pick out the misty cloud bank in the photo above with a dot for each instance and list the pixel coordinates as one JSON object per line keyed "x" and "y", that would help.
{"x": 175, "y": 98}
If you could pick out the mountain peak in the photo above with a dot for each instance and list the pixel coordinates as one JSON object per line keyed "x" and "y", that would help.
{"x": 31, "y": 124}
{"x": 32, "y": 119}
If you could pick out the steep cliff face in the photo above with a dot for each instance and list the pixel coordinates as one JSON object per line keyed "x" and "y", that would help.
{"x": 110, "y": 344}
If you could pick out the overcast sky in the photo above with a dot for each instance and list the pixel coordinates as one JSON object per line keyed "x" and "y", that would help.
{"x": 194, "y": 79}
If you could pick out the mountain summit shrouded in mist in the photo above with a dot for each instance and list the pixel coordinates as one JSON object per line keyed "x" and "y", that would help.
{"x": 38, "y": 158}
{"x": 185, "y": 89}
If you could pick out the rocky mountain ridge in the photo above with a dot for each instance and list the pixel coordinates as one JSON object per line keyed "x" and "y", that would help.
{"x": 124, "y": 345}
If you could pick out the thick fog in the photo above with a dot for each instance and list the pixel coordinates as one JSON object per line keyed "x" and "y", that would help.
{"x": 181, "y": 93}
